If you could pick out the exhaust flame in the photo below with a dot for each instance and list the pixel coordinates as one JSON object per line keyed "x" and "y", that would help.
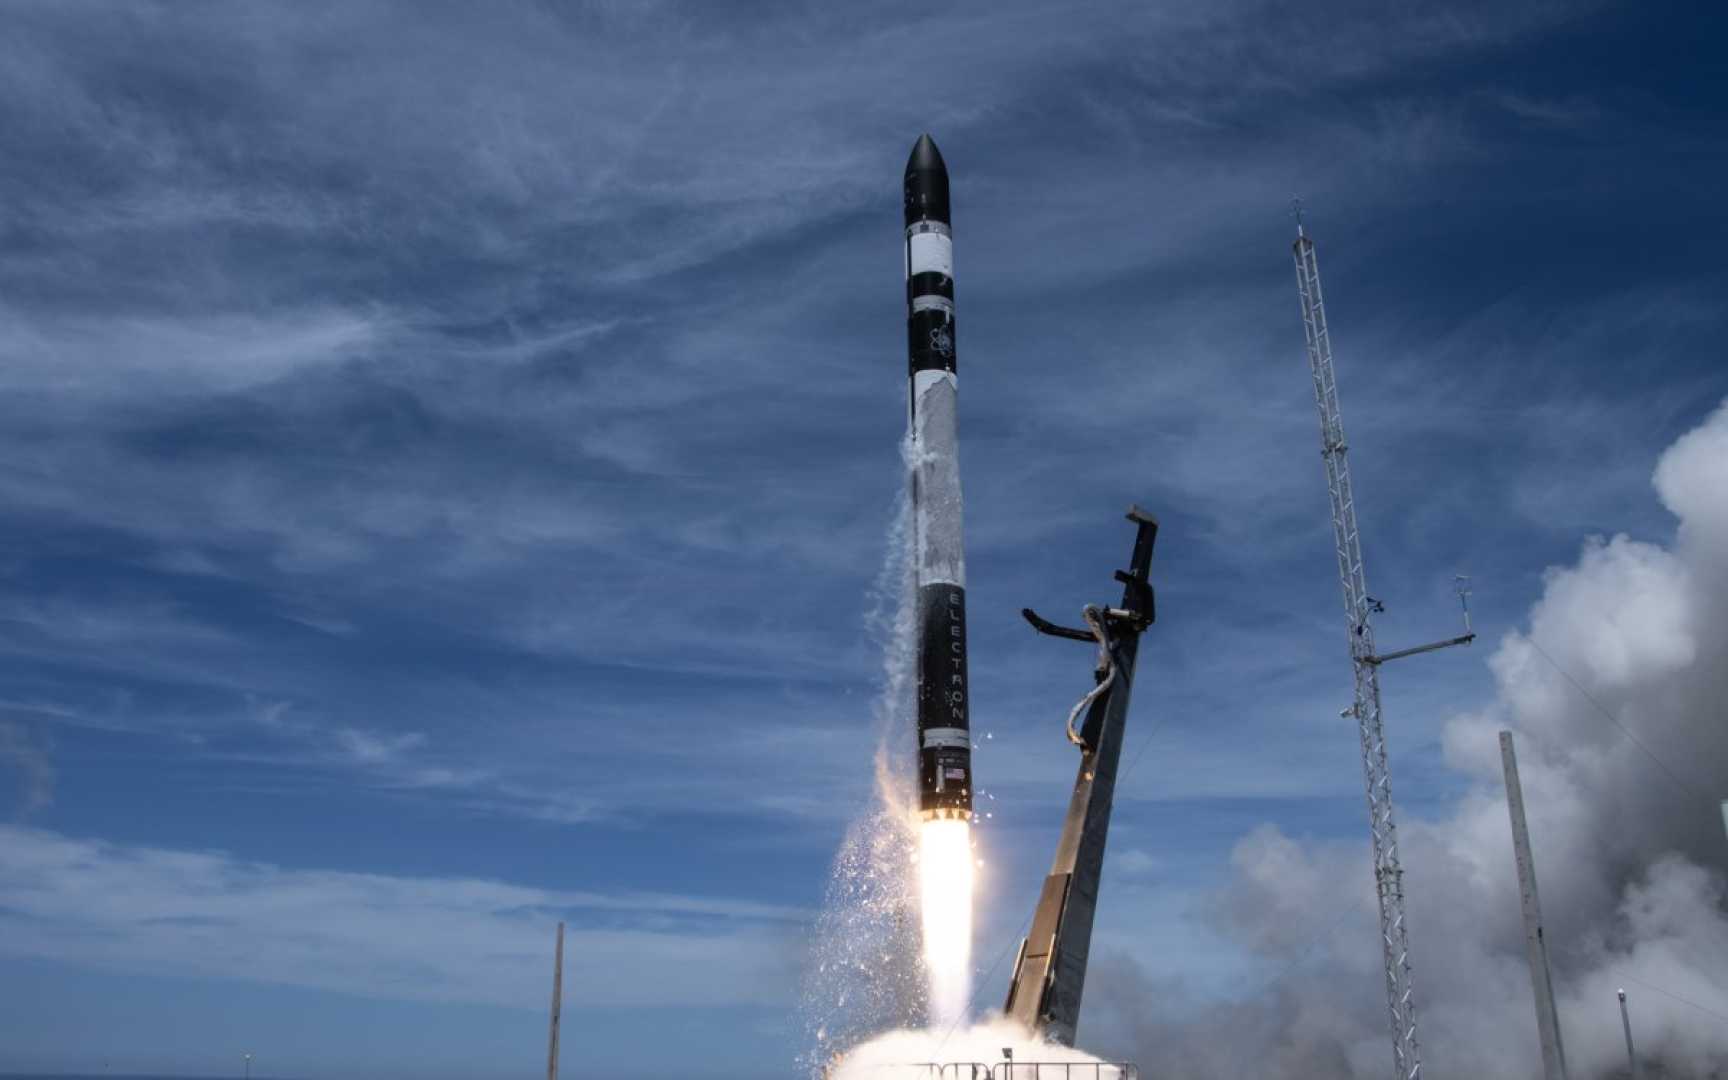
{"x": 945, "y": 890}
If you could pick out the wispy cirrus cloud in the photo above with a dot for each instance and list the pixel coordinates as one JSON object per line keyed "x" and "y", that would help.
{"x": 23, "y": 752}
{"x": 174, "y": 912}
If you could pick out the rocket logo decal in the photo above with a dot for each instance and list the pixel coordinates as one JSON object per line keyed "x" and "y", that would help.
{"x": 942, "y": 342}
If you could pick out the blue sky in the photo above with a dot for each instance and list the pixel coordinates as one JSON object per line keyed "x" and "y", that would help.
{"x": 446, "y": 452}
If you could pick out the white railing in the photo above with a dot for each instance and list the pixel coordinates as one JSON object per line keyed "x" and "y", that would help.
{"x": 1014, "y": 1070}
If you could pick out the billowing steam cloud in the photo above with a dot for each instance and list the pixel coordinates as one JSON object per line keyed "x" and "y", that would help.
{"x": 1627, "y": 833}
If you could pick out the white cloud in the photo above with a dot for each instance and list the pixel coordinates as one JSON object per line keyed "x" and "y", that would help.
{"x": 1136, "y": 862}
{"x": 155, "y": 356}
{"x": 171, "y": 912}
{"x": 377, "y": 748}
{"x": 24, "y": 753}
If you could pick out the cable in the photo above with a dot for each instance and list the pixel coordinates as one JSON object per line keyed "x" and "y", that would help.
{"x": 1106, "y": 671}
{"x": 1603, "y": 709}
{"x": 1144, "y": 744}
{"x": 1676, "y": 997}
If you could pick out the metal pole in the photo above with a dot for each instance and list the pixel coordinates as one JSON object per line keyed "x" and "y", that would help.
{"x": 1626, "y": 1022}
{"x": 557, "y": 1004}
{"x": 248, "y": 1066}
{"x": 1535, "y": 941}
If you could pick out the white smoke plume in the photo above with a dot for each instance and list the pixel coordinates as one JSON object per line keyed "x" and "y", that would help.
{"x": 1616, "y": 694}
{"x": 864, "y": 975}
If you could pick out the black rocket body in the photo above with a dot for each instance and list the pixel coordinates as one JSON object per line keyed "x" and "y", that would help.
{"x": 944, "y": 727}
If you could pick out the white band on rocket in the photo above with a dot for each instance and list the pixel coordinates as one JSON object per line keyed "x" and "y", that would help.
{"x": 928, "y": 253}
{"x": 942, "y": 738}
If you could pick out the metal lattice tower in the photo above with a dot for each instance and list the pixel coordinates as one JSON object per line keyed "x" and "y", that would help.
{"x": 1358, "y": 607}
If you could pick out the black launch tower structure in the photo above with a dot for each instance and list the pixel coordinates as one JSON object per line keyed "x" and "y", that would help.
{"x": 1050, "y": 971}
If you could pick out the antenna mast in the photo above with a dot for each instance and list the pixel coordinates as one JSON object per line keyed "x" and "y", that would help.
{"x": 557, "y": 1003}
{"x": 1358, "y": 607}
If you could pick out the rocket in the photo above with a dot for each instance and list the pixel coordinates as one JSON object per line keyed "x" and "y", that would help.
{"x": 944, "y": 730}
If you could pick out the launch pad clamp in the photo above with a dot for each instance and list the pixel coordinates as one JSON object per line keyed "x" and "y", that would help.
{"x": 1138, "y": 610}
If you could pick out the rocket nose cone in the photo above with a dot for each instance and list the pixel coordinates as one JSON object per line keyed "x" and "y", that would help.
{"x": 925, "y": 157}
{"x": 926, "y": 183}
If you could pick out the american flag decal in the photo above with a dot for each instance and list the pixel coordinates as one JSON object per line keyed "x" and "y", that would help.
{"x": 956, "y": 774}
